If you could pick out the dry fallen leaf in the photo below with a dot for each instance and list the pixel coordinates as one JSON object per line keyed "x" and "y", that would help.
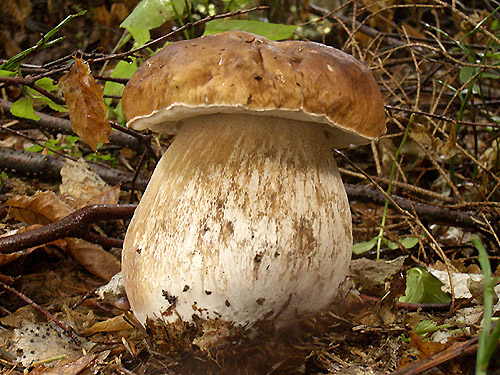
{"x": 94, "y": 258}
{"x": 84, "y": 99}
{"x": 41, "y": 208}
{"x": 116, "y": 323}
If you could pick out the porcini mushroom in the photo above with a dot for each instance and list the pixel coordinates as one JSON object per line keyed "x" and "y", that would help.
{"x": 245, "y": 217}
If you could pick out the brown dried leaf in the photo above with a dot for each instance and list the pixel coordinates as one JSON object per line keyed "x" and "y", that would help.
{"x": 94, "y": 258}
{"x": 116, "y": 323}
{"x": 7, "y": 258}
{"x": 41, "y": 208}
{"x": 72, "y": 368}
{"x": 84, "y": 98}
{"x": 426, "y": 348}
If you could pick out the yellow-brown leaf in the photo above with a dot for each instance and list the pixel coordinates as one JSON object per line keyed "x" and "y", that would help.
{"x": 84, "y": 99}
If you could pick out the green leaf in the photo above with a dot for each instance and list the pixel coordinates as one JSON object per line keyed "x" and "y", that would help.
{"x": 46, "y": 83}
{"x": 363, "y": 247}
{"x": 273, "y": 31}
{"x": 123, "y": 69}
{"x": 24, "y": 108}
{"x": 35, "y": 148}
{"x": 7, "y": 73}
{"x": 52, "y": 104}
{"x": 423, "y": 287}
{"x": 140, "y": 35}
{"x": 407, "y": 243}
{"x": 467, "y": 72}
{"x": 149, "y": 14}
{"x": 428, "y": 326}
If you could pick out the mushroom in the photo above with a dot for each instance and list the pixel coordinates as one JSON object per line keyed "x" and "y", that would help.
{"x": 245, "y": 217}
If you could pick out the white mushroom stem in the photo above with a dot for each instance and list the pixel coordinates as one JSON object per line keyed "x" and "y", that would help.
{"x": 245, "y": 218}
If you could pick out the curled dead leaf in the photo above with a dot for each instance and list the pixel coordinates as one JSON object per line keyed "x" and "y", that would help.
{"x": 87, "y": 110}
{"x": 41, "y": 208}
{"x": 116, "y": 323}
{"x": 94, "y": 258}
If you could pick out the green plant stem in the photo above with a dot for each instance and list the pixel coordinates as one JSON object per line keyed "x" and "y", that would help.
{"x": 41, "y": 44}
{"x": 487, "y": 339}
{"x": 389, "y": 188}
{"x": 179, "y": 19}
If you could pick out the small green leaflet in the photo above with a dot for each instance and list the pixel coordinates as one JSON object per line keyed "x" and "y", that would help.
{"x": 24, "y": 108}
{"x": 272, "y": 31}
{"x": 428, "y": 326}
{"x": 7, "y": 73}
{"x": 407, "y": 243}
{"x": 123, "y": 69}
{"x": 46, "y": 83}
{"x": 423, "y": 287}
{"x": 363, "y": 247}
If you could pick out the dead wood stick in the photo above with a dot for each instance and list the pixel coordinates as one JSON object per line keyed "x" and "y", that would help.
{"x": 456, "y": 350}
{"x": 427, "y": 212}
{"x": 49, "y": 167}
{"x": 75, "y": 224}
{"x": 29, "y": 301}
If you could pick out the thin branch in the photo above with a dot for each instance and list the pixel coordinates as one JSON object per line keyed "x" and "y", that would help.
{"x": 29, "y": 301}
{"x": 75, "y": 225}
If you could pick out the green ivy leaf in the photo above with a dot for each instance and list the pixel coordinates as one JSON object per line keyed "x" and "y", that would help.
{"x": 423, "y": 287}
{"x": 24, "y": 108}
{"x": 272, "y": 31}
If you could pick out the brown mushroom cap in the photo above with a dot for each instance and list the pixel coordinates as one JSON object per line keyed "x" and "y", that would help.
{"x": 238, "y": 71}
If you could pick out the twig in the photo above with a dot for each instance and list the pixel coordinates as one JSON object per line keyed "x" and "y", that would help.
{"x": 75, "y": 224}
{"x": 48, "y": 168}
{"x": 363, "y": 28}
{"x": 442, "y": 118}
{"x": 187, "y": 25}
{"x": 68, "y": 330}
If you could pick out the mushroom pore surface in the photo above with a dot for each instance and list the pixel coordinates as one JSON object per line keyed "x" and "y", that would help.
{"x": 245, "y": 218}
